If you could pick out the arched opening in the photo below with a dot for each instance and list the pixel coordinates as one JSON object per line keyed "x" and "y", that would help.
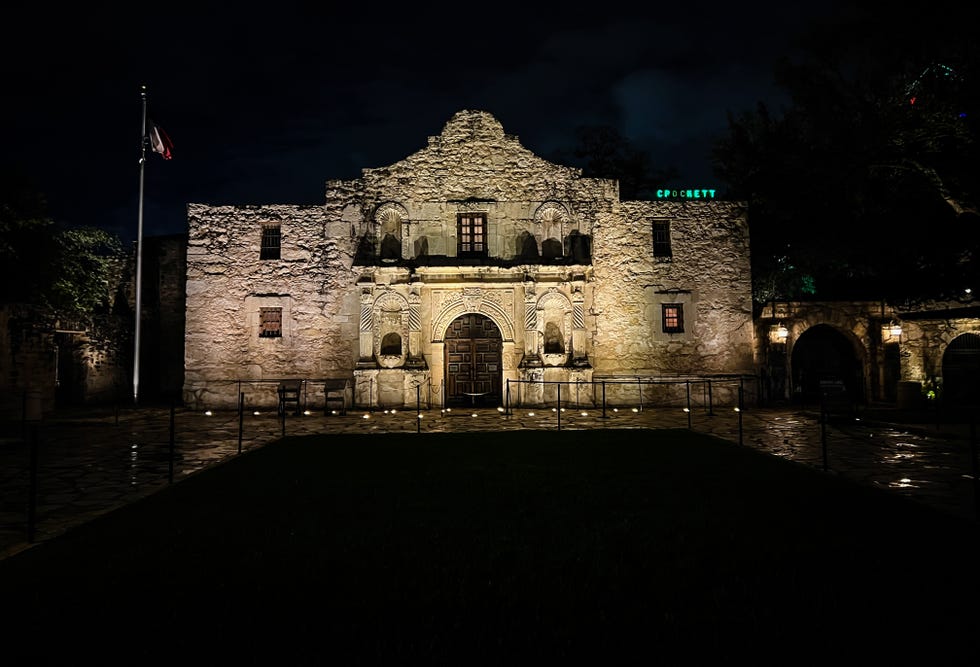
{"x": 391, "y": 344}
{"x": 553, "y": 341}
{"x": 825, "y": 361}
{"x": 961, "y": 371}
{"x": 473, "y": 347}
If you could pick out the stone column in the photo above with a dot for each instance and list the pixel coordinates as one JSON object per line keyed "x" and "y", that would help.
{"x": 579, "y": 356}
{"x": 532, "y": 355}
{"x": 366, "y": 356}
{"x": 415, "y": 358}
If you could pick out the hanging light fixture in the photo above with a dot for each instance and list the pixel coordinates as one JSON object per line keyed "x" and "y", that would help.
{"x": 778, "y": 333}
{"x": 891, "y": 332}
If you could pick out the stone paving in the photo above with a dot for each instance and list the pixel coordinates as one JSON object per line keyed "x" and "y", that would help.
{"x": 92, "y": 462}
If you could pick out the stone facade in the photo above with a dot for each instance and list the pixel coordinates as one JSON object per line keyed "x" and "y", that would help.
{"x": 883, "y": 353}
{"x": 471, "y": 271}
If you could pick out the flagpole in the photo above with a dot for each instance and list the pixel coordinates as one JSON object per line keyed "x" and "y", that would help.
{"x": 139, "y": 260}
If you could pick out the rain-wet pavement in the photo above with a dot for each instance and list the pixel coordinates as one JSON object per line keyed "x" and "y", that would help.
{"x": 88, "y": 463}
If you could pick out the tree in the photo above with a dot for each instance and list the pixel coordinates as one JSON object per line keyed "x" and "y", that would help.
{"x": 865, "y": 186}
{"x": 67, "y": 274}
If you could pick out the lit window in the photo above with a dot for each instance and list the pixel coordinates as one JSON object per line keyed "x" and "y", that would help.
{"x": 471, "y": 236}
{"x": 673, "y": 318}
{"x": 661, "y": 240}
{"x": 271, "y": 239}
{"x": 270, "y": 322}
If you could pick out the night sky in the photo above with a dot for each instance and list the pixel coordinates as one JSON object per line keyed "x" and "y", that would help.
{"x": 264, "y": 107}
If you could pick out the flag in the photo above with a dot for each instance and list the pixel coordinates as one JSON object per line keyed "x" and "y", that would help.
{"x": 160, "y": 141}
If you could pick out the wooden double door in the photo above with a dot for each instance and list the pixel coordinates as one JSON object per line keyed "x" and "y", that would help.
{"x": 473, "y": 361}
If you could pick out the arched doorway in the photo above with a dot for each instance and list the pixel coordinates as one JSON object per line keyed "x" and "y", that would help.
{"x": 825, "y": 360}
{"x": 961, "y": 370}
{"x": 473, "y": 361}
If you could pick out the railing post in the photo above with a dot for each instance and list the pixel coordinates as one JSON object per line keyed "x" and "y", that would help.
{"x": 603, "y": 399}
{"x": 418, "y": 408}
{"x": 559, "y": 406}
{"x": 170, "y": 454}
{"x": 741, "y": 407}
{"x": 711, "y": 411}
{"x": 241, "y": 415}
{"x": 688, "y": 383}
{"x": 976, "y": 463}
{"x": 32, "y": 489}
{"x": 823, "y": 433}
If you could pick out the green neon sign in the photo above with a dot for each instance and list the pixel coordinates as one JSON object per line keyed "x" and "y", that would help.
{"x": 686, "y": 194}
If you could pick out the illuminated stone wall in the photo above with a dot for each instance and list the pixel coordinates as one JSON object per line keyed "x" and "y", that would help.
{"x": 227, "y": 284}
{"x": 369, "y": 282}
{"x": 708, "y": 274}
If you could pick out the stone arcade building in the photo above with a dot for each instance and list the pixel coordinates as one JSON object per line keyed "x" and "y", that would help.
{"x": 468, "y": 264}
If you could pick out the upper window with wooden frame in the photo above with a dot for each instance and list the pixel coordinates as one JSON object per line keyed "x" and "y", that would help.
{"x": 270, "y": 322}
{"x": 271, "y": 241}
{"x": 673, "y": 317}
{"x": 661, "y": 241}
{"x": 471, "y": 235}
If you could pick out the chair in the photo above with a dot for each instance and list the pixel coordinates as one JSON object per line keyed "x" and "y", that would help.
{"x": 335, "y": 393}
{"x": 289, "y": 395}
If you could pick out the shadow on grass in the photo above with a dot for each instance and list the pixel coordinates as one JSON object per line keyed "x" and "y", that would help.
{"x": 666, "y": 545}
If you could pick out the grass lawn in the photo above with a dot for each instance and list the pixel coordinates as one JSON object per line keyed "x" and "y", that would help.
{"x": 611, "y": 546}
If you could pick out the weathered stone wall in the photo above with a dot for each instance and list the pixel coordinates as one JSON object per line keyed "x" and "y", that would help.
{"x": 599, "y": 308}
{"x": 164, "y": 291}
{"x": 708, "y": 273}
{"x": 925, "y": 344}
{"x": 473, "y": 166}
{"x": 28, "y": 364}
{"x": 227, "y": 283}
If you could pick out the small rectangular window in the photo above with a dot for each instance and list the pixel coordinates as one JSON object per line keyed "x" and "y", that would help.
{"x": 673, "y": 314}
{"x": 471, "y": 234}
{"x": 270, "y": 322}
{"x": 661, "y": 240}
{"x": 271, "y": 240}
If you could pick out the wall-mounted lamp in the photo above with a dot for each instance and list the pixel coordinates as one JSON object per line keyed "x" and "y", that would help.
{"x": 778, "y": 333}
{"x": 891, "y": 332}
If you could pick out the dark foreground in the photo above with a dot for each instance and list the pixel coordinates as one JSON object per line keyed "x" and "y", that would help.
{"x": 639, "y": 546}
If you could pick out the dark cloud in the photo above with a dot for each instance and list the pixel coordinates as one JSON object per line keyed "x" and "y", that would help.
{"x": 265, "y": 106}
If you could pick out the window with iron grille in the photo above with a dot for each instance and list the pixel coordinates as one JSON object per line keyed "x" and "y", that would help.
{"x": 673, "y": 314}
{"x": 471, "y": 234}
{"x": 271, "y": 240}
{"x": 270, "y": 322}
{"x": 661, "y": 240}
